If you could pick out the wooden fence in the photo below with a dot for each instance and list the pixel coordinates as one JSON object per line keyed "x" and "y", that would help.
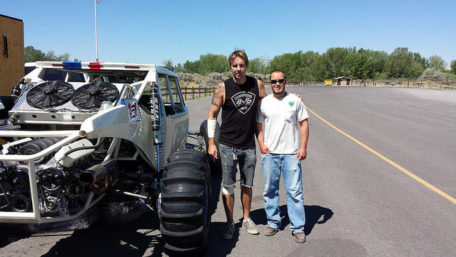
{"x": 190, "y": 93}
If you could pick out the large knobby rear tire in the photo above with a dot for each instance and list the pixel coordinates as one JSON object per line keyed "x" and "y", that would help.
{"x": 215, "y": 164}
{"x": 184, "y": 216}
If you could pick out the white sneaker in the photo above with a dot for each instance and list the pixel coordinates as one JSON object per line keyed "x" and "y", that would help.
{"x": 250, "y": 226}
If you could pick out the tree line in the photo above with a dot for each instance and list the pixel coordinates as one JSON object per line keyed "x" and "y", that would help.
{"x": 313, "y": 66}
{"x": 33, "y": 55}
{"x": 306, "y": 66}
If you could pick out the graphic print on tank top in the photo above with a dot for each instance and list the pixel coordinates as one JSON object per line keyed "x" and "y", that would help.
{"x": 243, "y": 101}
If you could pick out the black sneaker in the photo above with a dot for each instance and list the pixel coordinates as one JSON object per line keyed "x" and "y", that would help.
{"x": 228, "y": 233}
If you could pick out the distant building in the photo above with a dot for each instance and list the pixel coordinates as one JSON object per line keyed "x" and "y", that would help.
{"x": 342, "y": 81}
{"x": 12, "y": 53}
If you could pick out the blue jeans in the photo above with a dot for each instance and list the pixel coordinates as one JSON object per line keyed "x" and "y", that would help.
{"x": 289, "y": 165}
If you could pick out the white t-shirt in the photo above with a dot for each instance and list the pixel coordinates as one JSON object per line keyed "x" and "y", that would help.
{"x": 280, "y": 118}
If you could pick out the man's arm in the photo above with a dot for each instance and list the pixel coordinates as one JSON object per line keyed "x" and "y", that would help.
{"x": 304, "y": 134}
{"x": 260, "y": 137}
{"x": 261, "y": 90}
{"x": 216, "y": 104}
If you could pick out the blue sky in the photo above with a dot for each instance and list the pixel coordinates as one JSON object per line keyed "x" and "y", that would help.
{"x": 151, "y": 31}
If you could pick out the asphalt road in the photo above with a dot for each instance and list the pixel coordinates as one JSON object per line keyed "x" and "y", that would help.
{"x": 396, "y": 199}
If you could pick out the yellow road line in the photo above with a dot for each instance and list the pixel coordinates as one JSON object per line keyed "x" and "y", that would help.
{"x": 397, "y": 166}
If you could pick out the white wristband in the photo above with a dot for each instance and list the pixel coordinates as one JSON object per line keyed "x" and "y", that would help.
{"x": 211, "y": 128}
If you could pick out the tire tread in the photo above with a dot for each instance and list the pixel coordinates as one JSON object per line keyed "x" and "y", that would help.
{"x": 183, "y": 202}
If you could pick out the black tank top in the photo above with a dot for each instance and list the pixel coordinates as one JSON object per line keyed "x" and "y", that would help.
{"x": 238, "y": 113}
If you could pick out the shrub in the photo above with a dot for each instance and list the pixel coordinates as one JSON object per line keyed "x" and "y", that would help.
{"x": 438, "y": 76}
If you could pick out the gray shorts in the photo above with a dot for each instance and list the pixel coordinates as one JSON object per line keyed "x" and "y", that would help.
{"x": 230, "y": 157}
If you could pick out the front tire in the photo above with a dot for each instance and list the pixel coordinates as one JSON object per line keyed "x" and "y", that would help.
{"x": 184, "y": 204}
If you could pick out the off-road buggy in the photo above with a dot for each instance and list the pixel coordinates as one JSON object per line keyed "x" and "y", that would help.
{"x": 103, "y": 129}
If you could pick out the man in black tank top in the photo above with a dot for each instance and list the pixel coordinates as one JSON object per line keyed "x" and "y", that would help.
{"x": 238, "y": 97}
{"x": 238, "y": 125}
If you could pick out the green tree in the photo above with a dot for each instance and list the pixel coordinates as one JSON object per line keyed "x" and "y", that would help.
{"x": 339, "y": 61}
{"x": 257, "y": 65}
{"x": 289, "y": 63}
{"x": 50, "y": 56}
{"x": 179, "y": 68}
{"x": 420, "y": 60}
{"x": 167, "y": 63}
{"x": 378, "y": 58}
{"x": 318, "y": 69}
{"x": 335, "y": 58}
{"x": 265, "y": 61}
{"x": 212, "y": 63}
{"x": 64, "y": 57}
{"x": 32, "y": 55}
{"x": 404, "y": 64}
{"x": 191, "y": 67}
{"x": 308, "y": 61}
{"x": 453, "y": 66}
{"x": 309, "y": 58}
{"x": 436, "y": 62}
{"x": 359, "y": 65}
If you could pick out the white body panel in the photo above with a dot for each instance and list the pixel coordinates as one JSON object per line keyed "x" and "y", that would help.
{"x": 115, "y": 123}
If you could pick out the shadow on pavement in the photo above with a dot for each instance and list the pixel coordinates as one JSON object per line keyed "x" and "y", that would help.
{"x": 140, "y": 237}
{"x": 259, "y": 216}
{"x": 126, "y": 239}
{"x": 11, "y": 235}
{"x": 218, "y": 246}
{"x": 314, "y": 215}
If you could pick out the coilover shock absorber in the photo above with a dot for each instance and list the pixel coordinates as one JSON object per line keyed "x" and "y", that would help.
{"x": 155, "y": 108}
{"x": 156, "y": 119}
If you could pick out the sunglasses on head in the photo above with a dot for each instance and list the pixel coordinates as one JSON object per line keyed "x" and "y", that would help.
{"x": 279, "y": 80}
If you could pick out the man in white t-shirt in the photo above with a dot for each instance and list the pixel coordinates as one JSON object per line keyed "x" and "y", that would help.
{"x": 283, "y": 131}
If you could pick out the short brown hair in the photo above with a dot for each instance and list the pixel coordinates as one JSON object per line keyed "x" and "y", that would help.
{"x": 241, "y": 54}
{"x": 277, "y": 71}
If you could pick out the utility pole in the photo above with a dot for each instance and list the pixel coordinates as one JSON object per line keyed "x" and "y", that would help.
{"x": 96, "y": 30}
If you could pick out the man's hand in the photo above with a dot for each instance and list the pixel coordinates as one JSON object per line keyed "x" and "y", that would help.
{"x": 260, "y": 137}
{"x": 264, "y": 149}
{"x": 304, "y": 134}
{"x": 217, "y": 101}
{"x": 300, "y": 97}
{"x": 301, "y": 154}
{"x": 212, "y": 151}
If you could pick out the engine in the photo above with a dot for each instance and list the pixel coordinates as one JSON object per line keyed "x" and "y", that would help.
{"x": 64, "y": 179}
{"x": 14, "y": 189}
